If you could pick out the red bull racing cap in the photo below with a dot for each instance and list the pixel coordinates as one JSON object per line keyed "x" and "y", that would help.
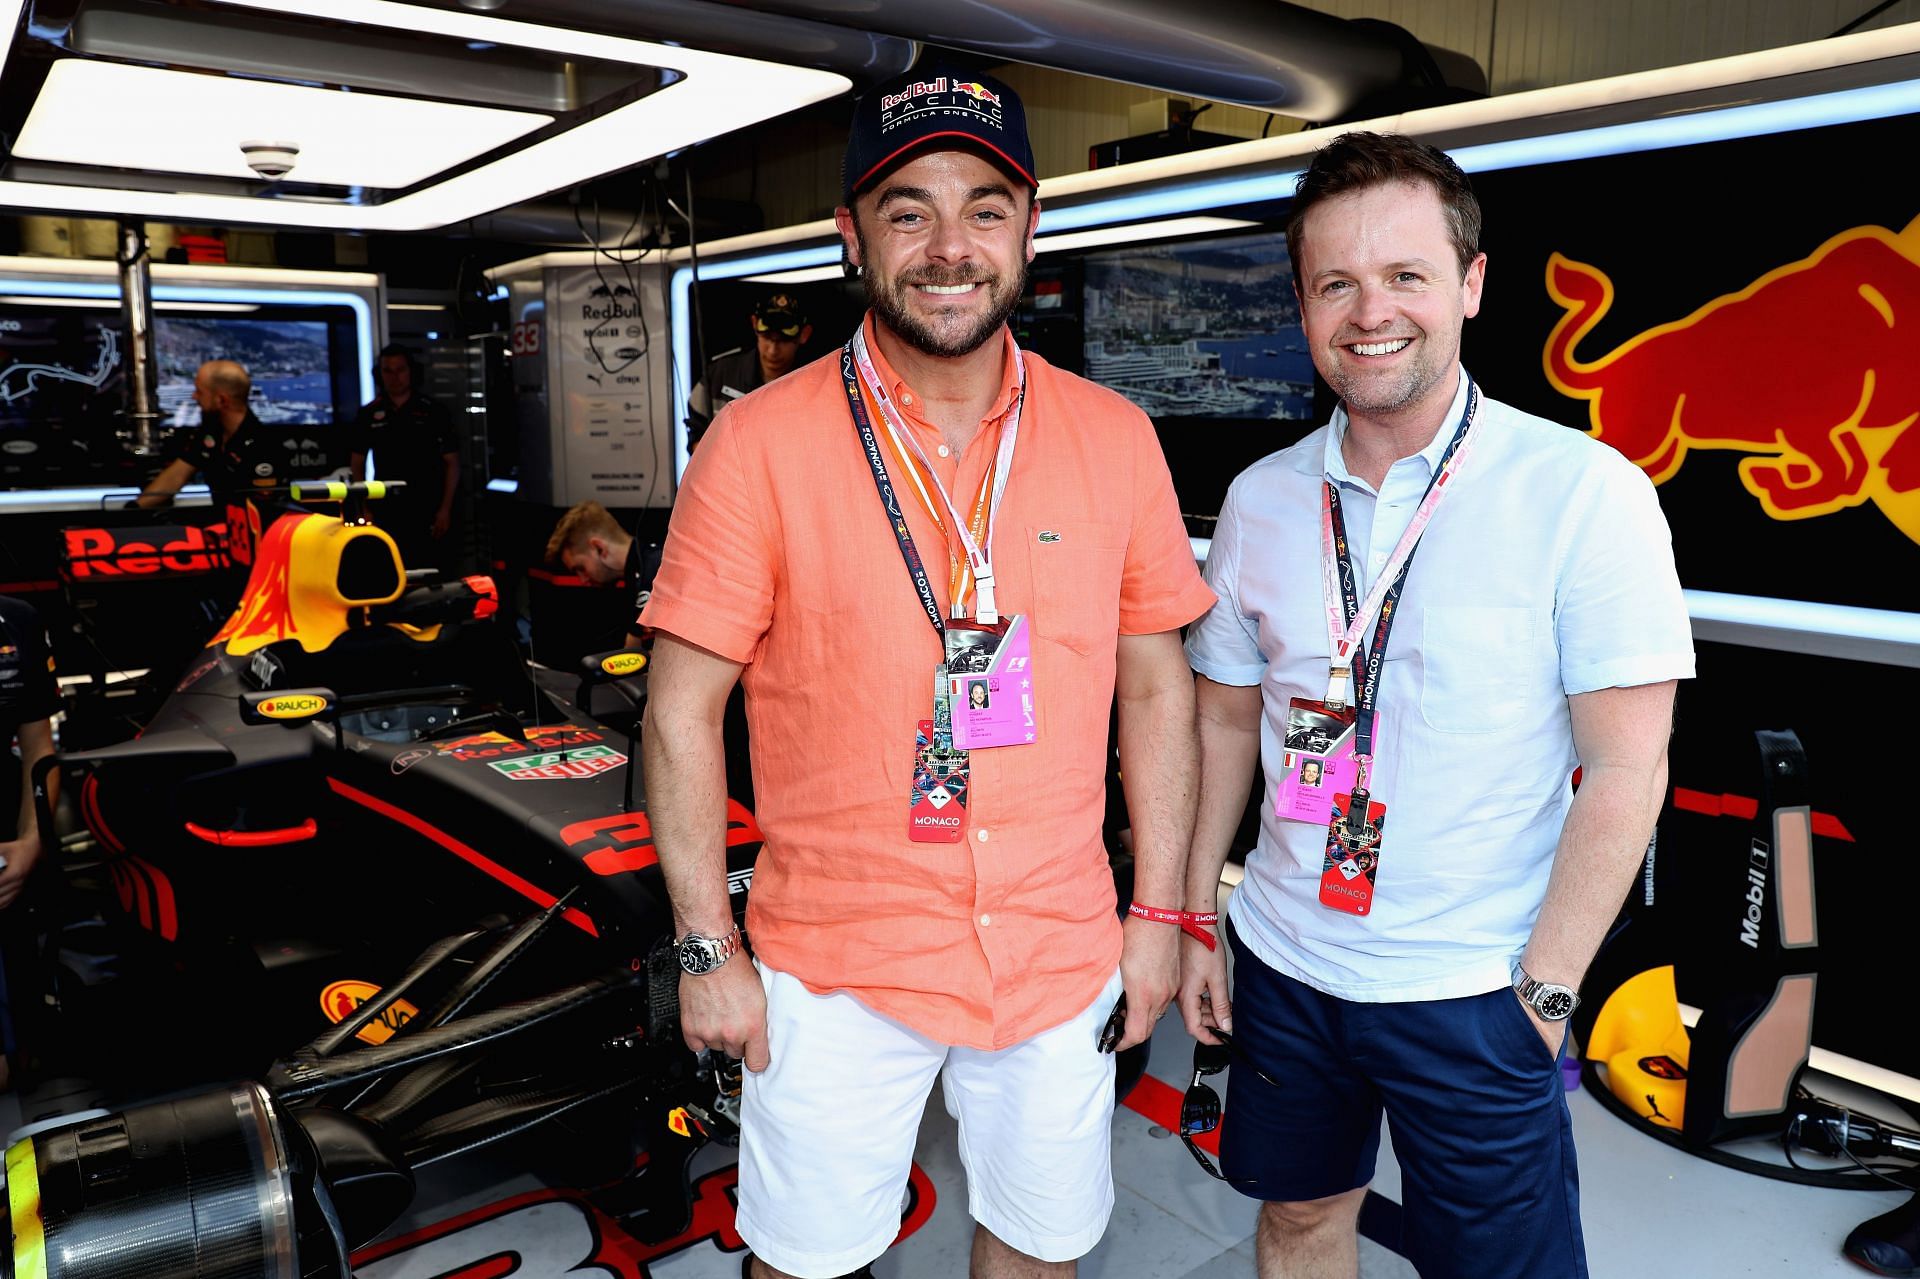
{"x": 935, "y": 105}
{"x": 780, "y": 315}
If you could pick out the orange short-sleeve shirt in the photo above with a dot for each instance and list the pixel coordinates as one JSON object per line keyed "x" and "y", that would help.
{"x": 780, "y": 556}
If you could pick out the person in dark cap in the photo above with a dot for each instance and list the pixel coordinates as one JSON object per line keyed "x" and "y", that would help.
{"x": 924, "y": 909}
{"x": 780, "y": 329}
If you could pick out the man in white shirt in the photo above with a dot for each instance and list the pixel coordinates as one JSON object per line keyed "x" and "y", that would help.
{"x": 1415, "y": 950}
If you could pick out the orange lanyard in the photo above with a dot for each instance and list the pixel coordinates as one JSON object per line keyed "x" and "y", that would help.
{"x": 921, "y": 480}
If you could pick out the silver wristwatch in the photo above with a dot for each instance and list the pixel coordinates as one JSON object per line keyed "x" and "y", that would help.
{"x": 701, "y": 955}
{"x": 1549, "y": 1001}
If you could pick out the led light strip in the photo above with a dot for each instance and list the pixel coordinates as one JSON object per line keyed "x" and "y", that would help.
{"x": 91, "y": 499}
{"x": 113, "y": 304}
{"x": 719, "y": 93}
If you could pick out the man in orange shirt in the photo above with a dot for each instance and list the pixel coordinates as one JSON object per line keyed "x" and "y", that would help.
{"x": 934, "y": 896}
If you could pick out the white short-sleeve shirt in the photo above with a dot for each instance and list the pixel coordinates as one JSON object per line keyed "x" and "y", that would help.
{"x": 1547, "y": 571}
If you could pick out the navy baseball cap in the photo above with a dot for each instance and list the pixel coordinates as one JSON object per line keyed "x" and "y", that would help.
{"x": 935, "y": 104}
{"x": 780, "y": 315}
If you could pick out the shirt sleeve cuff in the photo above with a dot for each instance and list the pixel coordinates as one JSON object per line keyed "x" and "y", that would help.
{"x": 697, "y": 625}
{"x": 1626, "y": 672}
{"x": 1224, "y": 673}
{"x": 1189, "y": 606}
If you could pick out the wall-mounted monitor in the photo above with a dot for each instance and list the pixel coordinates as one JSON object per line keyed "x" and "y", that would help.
{"x": 63, "y": 375}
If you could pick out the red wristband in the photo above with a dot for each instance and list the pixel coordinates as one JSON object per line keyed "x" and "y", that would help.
{"x": 1190, "y": 922}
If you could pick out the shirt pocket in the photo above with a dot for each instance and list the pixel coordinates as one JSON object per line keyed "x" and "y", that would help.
{"x": 1076, "y": 571}
{"x": 1477, "y": 667}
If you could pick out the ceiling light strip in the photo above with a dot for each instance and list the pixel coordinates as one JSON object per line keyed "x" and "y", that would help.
{"x": 717, "y": 94}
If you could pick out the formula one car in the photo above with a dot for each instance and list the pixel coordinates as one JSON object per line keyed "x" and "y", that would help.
{"x": 403, "y": 891}
{"x": 411, "y": 895}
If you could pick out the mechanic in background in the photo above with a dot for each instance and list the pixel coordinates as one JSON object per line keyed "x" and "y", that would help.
{"x": 412, "y": 438}
{"x": 28, "y": 698}
{"x": 780, "y": 329}
{"x": 589, "y": 542}
{"x": 233, "y": 450}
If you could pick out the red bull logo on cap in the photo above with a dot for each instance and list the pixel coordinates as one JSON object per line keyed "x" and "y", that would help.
{"x": 974, "y": 89}
{"x": 940, "y": 95}
{"x": 1811, "y": 370}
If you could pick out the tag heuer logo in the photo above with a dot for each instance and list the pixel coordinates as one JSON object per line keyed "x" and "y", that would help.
{"x": 1048, "y": 535}
{"x": 586, "y": 761}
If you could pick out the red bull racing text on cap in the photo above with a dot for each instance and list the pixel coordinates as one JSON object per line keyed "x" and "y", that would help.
{"x": 936, "y": 105}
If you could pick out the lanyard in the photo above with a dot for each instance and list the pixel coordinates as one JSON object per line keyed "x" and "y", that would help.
{"x": 976, "y": 535}
{"x": 1337, "y": 585}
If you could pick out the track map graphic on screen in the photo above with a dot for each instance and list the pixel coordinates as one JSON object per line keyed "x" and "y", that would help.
{"x": 60, "y": 368}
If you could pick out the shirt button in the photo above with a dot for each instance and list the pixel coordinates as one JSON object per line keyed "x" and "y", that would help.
{"x": 906, "y": 397}
{"x": 986, "y": 920}
{"x": 944, "y": 450}
{"x": 982, "y": 836}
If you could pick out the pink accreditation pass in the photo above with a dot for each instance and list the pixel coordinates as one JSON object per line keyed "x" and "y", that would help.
{"x": 990, "y": 685}
{"x": 1317, "y": 759}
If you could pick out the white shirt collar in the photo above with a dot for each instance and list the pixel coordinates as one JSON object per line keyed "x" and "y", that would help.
{"x": 1334, "y": 462}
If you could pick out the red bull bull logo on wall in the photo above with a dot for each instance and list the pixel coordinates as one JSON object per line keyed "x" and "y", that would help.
{"x": 1813, "y": 370}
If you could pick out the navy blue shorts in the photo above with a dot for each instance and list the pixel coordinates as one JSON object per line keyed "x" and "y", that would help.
{"x": 1475, "y": 1104}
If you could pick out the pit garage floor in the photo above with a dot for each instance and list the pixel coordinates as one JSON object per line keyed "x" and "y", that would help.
{"x": 1648, "y": 1210}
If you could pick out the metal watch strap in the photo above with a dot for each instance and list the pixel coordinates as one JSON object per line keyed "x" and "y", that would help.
{"x": 1528, "y": 987}
{"x": 719, "y": 949}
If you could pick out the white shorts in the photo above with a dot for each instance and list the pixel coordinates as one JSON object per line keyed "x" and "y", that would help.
{"x": 828, "y": 1131}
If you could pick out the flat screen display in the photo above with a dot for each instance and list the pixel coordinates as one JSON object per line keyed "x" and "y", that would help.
{"x": 288, "y": 360}
{"x": 1206, "y": 329}
{"x": 63, "y": 379}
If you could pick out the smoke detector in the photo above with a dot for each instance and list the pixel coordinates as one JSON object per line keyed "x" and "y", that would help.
{"x": 271, "y": 160}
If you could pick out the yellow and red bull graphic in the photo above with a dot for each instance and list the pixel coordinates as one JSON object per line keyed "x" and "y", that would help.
{"x": 980, "y": 92}
{"x": 1812, "y": 370}
{"x": 295, "y": 590}
{"x": 342, "y": 999}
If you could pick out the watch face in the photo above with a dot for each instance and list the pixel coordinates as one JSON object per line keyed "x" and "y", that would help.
{"x": 697, "y": 956}
{"x": 1555, "y": 1003}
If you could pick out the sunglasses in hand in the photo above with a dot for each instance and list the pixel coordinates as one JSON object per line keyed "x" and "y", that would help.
{"x": 1200, "y": 1105}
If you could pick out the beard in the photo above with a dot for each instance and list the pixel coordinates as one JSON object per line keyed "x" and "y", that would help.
{"x": 948, "y": 335}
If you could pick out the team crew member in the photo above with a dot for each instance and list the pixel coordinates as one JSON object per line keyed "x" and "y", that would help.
{"x": 780, "y": 329}
{"x": 589, "y": 542}
{"x": 933, "y": 892}
{"x": 1416, "y": 947}
{"x": 28, "y": 699}
{"x": 411, "y": 437}
{"x": 232, "y": 450}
